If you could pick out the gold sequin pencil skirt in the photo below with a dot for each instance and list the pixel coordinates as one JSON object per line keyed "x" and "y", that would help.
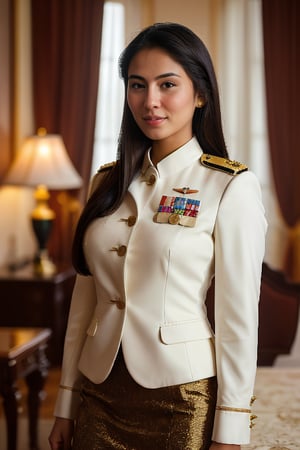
{"x": 120, "y": 414}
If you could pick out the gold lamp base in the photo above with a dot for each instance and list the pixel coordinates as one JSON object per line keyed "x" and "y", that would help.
{"x": 42, "y": 265}
{"x": 42, "y": 218}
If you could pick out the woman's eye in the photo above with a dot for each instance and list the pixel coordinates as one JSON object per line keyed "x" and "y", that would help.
{"x": 168, "y": 84}
{"x": 136, "y": 85}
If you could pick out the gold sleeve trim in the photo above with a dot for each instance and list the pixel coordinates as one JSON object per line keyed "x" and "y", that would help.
{"x": 68, "y": 388}
{"x": 228, "y": 408}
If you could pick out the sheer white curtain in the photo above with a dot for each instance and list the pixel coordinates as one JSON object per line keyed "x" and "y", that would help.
{"x": 241, "y": 79}
{"x": 110, "y": 92}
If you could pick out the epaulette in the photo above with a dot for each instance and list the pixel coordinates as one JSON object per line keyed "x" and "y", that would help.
{"x": 107, "y": 166}
{"x": 223, "y": 164}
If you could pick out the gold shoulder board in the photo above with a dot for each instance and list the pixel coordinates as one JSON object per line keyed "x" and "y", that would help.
{"x": 107, "y": 166}
{"x": 223, "y": 164}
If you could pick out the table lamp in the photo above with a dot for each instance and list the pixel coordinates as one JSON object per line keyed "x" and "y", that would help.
{"x": 43, "y": 163}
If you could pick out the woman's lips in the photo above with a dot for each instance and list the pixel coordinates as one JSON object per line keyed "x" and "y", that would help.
{"x": 154, "y": 120}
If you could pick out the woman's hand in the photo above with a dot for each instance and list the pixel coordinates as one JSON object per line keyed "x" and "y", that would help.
{"x": 61, "y": 435}
{"x": 218, "y": 446}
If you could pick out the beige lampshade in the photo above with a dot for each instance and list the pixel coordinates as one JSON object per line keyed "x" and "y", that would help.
{"x": 43, "y": 159}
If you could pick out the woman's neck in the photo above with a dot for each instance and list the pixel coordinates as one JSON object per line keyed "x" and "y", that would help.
{"x": 161, "y": 150}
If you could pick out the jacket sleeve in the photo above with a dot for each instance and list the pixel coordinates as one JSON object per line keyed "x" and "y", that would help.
{"x": 82, "y": 307}
{"x": 83, "y": 304}
{"x": 239, "y": 249}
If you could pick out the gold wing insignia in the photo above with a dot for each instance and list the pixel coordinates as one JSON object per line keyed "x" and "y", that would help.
{"x": 223, "y": 164}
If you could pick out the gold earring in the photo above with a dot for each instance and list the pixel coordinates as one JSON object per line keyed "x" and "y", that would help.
{"x": 199, "y": 103}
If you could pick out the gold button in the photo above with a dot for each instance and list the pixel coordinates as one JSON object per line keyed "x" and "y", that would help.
{"x": 174, "y": 219}
{"x": 151, "y": 180}
{"x": 121, "y": 250}
{"x": 131, "y": 221}
{"x": 119, "y": 303}
{"x": 252, "y": 418}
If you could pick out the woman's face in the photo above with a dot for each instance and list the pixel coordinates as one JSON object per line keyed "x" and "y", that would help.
{"x": 161, "y": 98}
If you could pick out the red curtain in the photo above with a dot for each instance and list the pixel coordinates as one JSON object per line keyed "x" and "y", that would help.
{"x": 281, "y": 34}
{"x": 6, "y": 83}
{"x": 66, "y": 42}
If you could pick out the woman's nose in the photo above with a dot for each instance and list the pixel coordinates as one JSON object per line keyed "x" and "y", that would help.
{"x": 152, "y": 98}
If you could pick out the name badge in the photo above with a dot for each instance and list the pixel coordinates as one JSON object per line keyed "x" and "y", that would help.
{"x": 177, "y": 211}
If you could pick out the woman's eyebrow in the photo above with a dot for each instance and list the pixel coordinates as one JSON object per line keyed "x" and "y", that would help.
{"x": 163, "y": 75}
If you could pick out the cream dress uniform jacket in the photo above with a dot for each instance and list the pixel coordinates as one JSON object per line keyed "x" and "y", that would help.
{"x": 150, "y": 274}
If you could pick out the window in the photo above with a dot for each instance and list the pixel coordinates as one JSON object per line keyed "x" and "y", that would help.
{"x": 242, "y": 86}
{"x": 110, "y": 91}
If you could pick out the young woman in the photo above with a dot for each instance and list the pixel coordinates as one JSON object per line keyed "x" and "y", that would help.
{"x": 142, "y": 367}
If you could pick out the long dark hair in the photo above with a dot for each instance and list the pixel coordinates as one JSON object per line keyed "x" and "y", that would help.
{"x": 189, "y": 51}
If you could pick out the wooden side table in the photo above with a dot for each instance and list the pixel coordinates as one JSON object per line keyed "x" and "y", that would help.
{"x": 30, "y": 301}
{"x": 22, "y": 355}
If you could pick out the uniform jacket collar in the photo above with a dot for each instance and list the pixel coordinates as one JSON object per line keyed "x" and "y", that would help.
{"x": 179, "y": 159}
